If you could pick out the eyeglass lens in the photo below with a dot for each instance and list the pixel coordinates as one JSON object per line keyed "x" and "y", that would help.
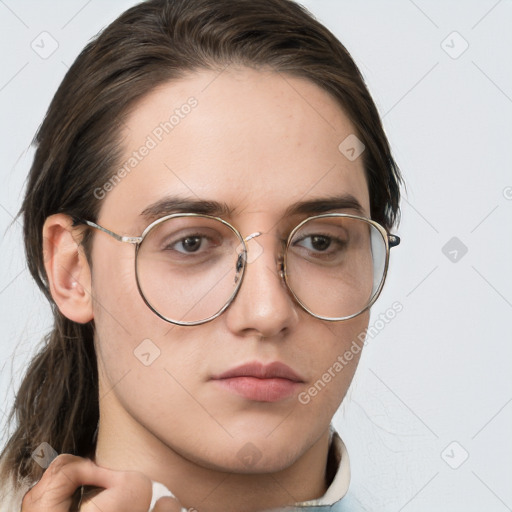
{"x": 189, "y": 268}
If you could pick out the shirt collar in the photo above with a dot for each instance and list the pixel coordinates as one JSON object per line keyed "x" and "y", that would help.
{"x": 339, "y": 485}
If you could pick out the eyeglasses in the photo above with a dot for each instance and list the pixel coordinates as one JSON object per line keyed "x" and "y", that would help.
{"x": 189, "y": 267}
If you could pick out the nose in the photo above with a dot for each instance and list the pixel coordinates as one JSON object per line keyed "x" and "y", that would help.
{"x": 263, "y": 305}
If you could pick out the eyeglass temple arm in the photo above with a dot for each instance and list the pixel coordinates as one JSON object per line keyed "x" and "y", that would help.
{"x": 393, "y": 240}
{"x": 127, "y": 239}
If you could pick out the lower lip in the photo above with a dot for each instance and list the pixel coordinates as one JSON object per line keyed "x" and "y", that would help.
{"x": 260, "y": 390}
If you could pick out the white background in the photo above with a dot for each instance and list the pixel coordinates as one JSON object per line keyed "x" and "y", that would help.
{"x": 440, "y": 371}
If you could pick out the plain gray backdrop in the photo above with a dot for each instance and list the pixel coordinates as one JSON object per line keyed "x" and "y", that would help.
{"x": 428, "y": 419}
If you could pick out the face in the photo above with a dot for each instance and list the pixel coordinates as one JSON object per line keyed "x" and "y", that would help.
{"x": 258, "y": 143}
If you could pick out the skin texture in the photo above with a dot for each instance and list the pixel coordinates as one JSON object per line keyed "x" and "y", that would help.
{"x": 258, "y": 141}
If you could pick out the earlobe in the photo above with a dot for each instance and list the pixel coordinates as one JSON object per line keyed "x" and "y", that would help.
{"x": 67, "y": 268}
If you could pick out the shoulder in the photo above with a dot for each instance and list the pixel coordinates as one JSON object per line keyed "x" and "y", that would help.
{"x": 10, "y": 499}
{"x": 11, "y": 496}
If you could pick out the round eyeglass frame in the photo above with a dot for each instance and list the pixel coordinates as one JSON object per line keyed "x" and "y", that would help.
{"x": 389, "y": 241}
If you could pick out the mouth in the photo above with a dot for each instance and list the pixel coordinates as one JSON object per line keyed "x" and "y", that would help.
{"x": 262, "y": 383}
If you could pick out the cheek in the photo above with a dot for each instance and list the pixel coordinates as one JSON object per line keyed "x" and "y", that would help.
{"x": 145, "y": 360}
{"x": 333, "y": 365}
{"x": 125, "y": 327}
{"x": 118, "y": 305}
{"x": 113, "y": 274}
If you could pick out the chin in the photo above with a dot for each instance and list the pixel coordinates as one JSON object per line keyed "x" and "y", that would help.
{"x": 249, "y": 459}
{"x": 249, "y": 454}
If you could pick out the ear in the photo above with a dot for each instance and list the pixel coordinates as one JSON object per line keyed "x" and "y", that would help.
{"x": 67, "y": 268}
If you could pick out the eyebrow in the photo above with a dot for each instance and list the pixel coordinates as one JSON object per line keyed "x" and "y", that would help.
{"x": 325, "y": 205}
{"x": 175, "y": 204}
{"x": 170, "y": 205}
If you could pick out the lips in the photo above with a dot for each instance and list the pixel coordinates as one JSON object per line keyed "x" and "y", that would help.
{"x": 263, "y": 383}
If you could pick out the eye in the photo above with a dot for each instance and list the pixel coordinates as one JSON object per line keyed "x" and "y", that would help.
{"x": 196, "y": 243}
{"x": 320, "y": 247}
{"x": 316, "y": 242}
{"x": 189, "y": 244}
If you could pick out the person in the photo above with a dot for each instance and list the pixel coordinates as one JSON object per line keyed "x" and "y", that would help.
{"x": 209, "y": 213}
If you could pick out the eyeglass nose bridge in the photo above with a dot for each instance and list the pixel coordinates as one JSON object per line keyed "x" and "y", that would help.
{"x": 250, "y": 256}
{"x": 246, "y": 256}
{"x": 243, "y": 254}
{"x": 252, "y": 235}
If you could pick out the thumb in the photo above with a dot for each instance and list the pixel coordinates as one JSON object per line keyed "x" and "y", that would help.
{"x": 167, "y": 505}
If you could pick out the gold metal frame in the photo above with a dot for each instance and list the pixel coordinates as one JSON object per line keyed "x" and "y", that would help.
{"x": 389, "y": 241}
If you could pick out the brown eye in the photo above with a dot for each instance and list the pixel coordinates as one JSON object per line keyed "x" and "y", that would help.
{"x": 190, "y": 244}
{"x": 320, "y": 243}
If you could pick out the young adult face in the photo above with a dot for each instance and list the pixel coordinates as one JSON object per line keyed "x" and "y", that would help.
{"x": 258, "y": 142}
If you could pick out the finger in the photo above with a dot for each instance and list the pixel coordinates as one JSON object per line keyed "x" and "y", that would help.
{"x": 53, "y": 490}
{"x": 75, "y": 471}
{"x": 61, "y": 479}
{"x": 167, "y": 505}
{"x": 130, "y": 491}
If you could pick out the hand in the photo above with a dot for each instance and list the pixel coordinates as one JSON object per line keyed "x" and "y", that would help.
{"x": 119, "y": 491}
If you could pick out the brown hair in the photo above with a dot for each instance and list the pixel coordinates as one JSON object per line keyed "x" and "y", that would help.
{"x": 77, "y": 150}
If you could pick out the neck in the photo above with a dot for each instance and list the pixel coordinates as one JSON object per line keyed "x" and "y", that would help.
{"x": 124, "y": 444}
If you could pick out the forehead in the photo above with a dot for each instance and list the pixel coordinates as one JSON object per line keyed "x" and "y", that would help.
{"x": 257, "y": 141}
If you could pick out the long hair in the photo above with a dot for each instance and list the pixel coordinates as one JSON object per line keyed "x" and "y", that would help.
{"x": 78, "y": 149}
